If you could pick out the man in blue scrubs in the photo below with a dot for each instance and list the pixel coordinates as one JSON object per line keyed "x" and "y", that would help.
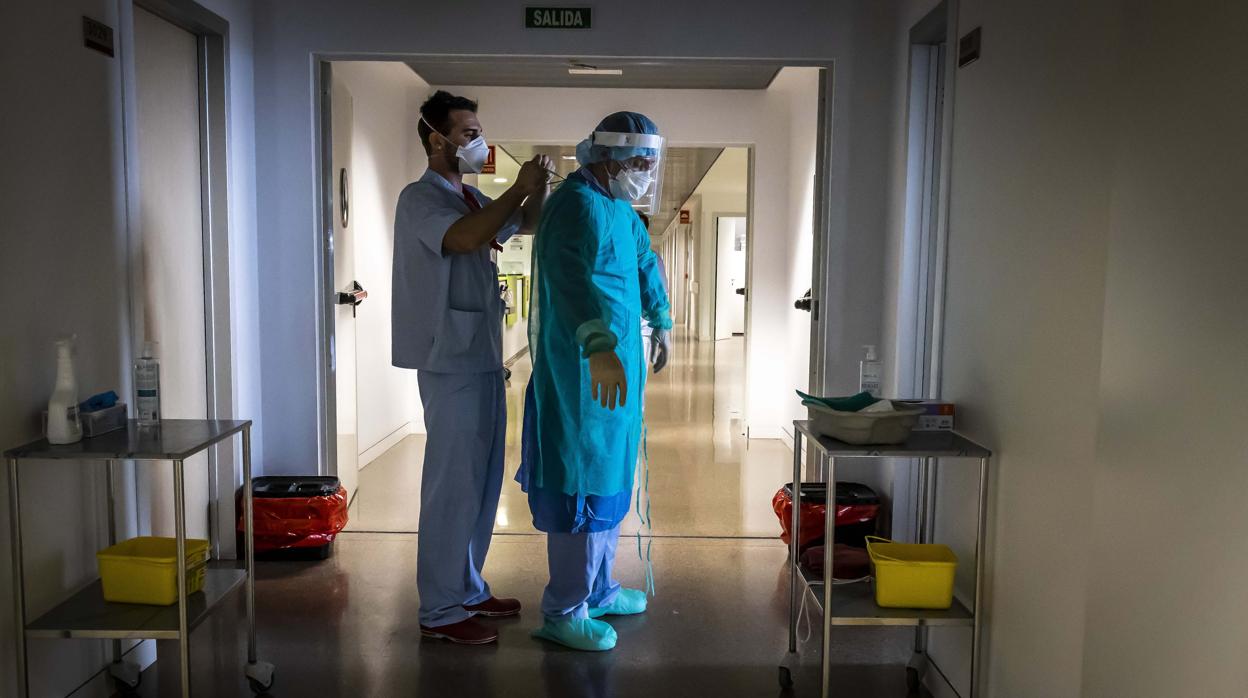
{"x": 447, "y": 324}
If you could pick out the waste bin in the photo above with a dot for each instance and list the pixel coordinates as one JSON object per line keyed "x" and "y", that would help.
{"x": 296, "y": 517}
{"x": 857, "y": 512}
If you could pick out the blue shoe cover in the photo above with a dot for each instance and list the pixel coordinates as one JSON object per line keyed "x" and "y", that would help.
{"x": 627, "y": 602}
{"x": 583, "y": 634}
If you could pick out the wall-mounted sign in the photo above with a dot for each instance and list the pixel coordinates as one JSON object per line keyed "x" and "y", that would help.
{"x": 968, "y": 48}
{"x": 98, "y": 36}
{"x": 557, "y": 17}
{"x": 684, "y": 216}
{"x": 490, "y": 166}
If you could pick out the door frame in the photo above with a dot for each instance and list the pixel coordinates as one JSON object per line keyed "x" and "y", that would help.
{"x": 212, "y": 33}
{"x": 830, "y": 193}
{"x": 715, "y": 216}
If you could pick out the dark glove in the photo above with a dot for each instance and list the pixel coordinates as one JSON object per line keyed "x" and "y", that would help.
{"x": 660, "y": 348}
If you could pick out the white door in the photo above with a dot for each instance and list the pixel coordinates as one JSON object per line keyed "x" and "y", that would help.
{"x": 344, "y": 279}
{"x": 171, "y": 248}
{"x": 730, "y": 256}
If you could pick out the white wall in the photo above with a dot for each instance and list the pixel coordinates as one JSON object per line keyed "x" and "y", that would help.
{"x": 1026, "y": 272}
{"x": 382, "y": 165}
{"x": 1165, "y": 603}
{"x": 1095, "y": 341}
{"x": 290, "y": 31}
{"x": 70, "y": 262}
{"x": 795, "y": 104}
{"x": 65, "y": 246}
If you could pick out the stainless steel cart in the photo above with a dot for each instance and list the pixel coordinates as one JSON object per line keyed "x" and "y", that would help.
{"x": 86, "y": 614}
{"x": 854, "y": 604}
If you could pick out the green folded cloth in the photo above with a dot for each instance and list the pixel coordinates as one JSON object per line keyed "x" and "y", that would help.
{"x": 853, "y": 403}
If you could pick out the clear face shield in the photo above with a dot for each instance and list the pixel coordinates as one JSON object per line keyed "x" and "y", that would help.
{"x": 643, "y": 168}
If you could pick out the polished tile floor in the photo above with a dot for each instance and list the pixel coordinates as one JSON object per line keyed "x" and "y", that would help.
{"x": 348, "y": 626}
{"x": 706, "y": 478}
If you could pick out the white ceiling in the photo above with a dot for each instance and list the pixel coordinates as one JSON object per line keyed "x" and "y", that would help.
{"x": 537, "y": 72}
{"x": 729, "y": 175}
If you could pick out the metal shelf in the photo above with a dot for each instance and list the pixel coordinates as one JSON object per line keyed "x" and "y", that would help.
{"x": 86, "y": 615}
{"x": 854, "y": 604}
{"x": 920, "y": 444}
{"x": 173, "y": 439}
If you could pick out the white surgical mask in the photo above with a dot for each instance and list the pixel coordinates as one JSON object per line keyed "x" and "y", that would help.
{"x": 472, "y": 157}
{"x": 630, "y": 185}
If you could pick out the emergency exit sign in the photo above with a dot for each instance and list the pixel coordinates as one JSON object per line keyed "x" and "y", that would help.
{"x": 557, "y": 17}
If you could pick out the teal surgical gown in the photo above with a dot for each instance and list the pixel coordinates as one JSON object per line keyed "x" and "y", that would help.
{"x": 595, "y": 277}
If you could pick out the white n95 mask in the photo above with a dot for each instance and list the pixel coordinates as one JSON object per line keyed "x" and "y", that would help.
{"x": 472, "y": 157}
{"x": 630, "y": 185}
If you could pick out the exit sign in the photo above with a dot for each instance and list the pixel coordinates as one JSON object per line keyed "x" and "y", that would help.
{"x": 557, "y": 17}
{"x": 490, "y": 166}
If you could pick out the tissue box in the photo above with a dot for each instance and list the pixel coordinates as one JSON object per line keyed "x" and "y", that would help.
{"x": 937, "y": 415}
{"x": 99, "y": 421}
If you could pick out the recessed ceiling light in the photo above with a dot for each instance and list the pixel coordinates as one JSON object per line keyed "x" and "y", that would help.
{"x": 500, "y": 180}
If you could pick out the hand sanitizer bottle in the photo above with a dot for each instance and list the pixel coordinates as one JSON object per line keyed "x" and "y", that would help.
{"x": 870, "y": 372}
{"x": 64, "y": 426}
{"x": 147, "y": 387}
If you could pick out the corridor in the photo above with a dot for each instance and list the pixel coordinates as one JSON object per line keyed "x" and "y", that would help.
{"x": 717, "y": 626}
{"x": 706, "y": 478}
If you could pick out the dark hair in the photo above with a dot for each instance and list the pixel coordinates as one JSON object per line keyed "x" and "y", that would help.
{"x": 437, "y": 113}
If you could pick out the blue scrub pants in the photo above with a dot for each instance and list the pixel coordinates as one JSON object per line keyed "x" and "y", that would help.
{"x": 466, "y": 423}
{"x": 580, "y": 573}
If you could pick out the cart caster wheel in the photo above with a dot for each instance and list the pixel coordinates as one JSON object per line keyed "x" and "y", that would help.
{"x": 912, "y": 680}
{"x": 128, "y": 675}
{"x": 786, "y": 678}
{"x": 261, "y": 676}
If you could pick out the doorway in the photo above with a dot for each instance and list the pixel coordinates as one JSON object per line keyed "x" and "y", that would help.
{"x": 348, "y": 297}
{"x": 176, "y": 176}
{"x": 730, "y": 263}
{"x": 519, "y": 123}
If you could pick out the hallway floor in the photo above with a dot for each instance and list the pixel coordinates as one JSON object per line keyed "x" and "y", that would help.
{"x": 347, "y": 627}
{"x": 718, "y": 626}
{"x": 706, "y": 478}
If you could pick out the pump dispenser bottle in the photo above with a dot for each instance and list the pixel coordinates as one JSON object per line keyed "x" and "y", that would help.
{"x": 870, "y": 372}
{"x": 64, "y": 426}
{"x": 147, "y": 386}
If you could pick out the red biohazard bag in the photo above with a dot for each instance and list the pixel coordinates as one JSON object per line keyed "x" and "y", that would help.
{"x": 295, "y": 512}
{"x": 855, "y": 504}
{"x": 848, "y": 562}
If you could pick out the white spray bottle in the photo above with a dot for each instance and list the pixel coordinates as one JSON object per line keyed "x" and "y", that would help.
{"x": 64, "y": 426}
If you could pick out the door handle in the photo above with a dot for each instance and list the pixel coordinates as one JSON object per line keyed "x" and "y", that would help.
{"x": 741, "y": 292}
{"x": 805, "y": 302}
{"x": 353, "y": 297}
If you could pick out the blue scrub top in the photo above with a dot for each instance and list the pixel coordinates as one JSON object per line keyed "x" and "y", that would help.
{"x": 446, "y": 315}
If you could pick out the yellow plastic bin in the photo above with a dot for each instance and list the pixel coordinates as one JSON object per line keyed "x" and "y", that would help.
{"x": 143, "y": 570}
{"x": 909, "y": 575}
